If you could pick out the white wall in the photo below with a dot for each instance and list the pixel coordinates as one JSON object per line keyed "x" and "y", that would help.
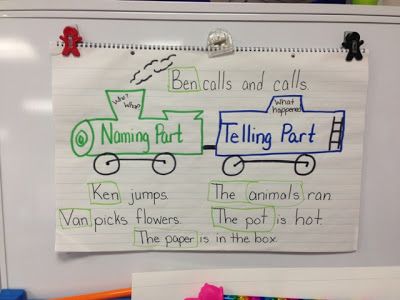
{"x": 27, "y": 130}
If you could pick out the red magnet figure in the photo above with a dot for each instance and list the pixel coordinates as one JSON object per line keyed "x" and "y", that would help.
{"x": 71, "y": 38}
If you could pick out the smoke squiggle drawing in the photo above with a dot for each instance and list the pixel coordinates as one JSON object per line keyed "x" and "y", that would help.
{"x": 154, "y": 66}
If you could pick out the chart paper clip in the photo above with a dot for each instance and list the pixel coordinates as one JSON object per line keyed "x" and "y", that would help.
{"x": 220, "y": 43}
{"x": 352, "y": 42}
{"x": 71, "y": 38}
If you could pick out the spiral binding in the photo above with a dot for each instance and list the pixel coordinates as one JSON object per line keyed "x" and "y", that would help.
{"x": 206, "y": 49}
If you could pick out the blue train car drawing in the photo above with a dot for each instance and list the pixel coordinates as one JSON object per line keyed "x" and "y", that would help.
{"x": 283, "y": 128}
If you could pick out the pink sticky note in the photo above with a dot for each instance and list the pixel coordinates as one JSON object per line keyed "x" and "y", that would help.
{"x": 209, "y": 292}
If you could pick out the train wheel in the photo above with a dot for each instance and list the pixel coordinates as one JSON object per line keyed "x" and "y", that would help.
{"x": 106, "y": 164}
{"x": 304, "y": 164}
{"x": 233, "y": 165}
{"x": 164, "y": 163}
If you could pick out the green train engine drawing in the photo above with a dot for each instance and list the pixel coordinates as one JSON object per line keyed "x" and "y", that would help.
{"x": 128, "y": 135}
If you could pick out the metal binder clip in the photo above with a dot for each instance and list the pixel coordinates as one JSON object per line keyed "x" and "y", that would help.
{"x": 220, "y": 43}
{"x": 352, "y": 42}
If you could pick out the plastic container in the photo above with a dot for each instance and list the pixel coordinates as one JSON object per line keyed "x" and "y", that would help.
{"x": 365, "y": 2}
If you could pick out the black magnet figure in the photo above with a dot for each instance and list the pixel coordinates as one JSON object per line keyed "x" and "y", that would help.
{"x": 353, "y": 42}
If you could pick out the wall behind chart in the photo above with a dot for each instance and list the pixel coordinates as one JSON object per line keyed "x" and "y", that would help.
{"x": 27, "y": 133}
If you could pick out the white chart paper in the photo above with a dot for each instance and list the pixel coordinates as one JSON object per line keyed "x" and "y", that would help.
{"x": 173, "y": 150}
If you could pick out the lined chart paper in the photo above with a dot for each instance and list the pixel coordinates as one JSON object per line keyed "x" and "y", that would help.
{"x": 173, "y": 150}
